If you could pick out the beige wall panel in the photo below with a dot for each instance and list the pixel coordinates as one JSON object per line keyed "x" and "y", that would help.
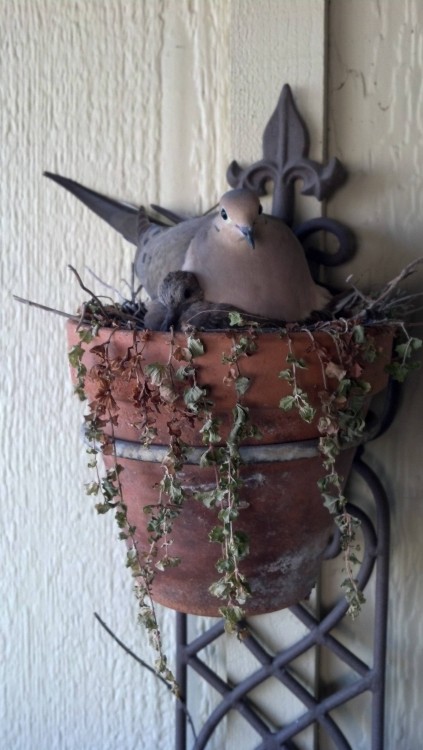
{"x": 375, "y": 127}
{"x": 273, "y": 42}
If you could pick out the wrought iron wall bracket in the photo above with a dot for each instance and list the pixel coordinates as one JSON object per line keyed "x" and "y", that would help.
{"x": 285, "y": 160}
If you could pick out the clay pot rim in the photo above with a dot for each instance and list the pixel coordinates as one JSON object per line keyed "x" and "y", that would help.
{"x": 280, "y": 333}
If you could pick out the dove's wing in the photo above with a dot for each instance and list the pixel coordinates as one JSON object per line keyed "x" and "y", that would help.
{"x": 161, "y": 250}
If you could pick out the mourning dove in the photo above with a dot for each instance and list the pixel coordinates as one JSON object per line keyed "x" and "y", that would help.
{"x": 240, "y": 256}
{"x": 253, "y": 261}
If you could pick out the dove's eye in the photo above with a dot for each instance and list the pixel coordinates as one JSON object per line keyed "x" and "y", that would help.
{"x": 223, "y": 214}
{"x": 260, "y": 209}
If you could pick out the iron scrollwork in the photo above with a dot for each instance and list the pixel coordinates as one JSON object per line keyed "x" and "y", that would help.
{"x": 286, "y": 145}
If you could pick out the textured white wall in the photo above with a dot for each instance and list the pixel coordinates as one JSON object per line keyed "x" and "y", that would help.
{"x": 119, "y": 96}
{"x": 150, "y": 101}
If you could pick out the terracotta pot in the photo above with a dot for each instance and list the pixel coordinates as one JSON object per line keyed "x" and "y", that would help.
{"x": 286, "y": 522}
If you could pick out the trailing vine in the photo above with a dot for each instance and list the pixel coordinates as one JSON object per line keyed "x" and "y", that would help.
{"x": 403, "y": 362}
{"x": 342, "y": 422}
{"x": 165, "y": 377}
{"x": 103, "y": 412}
{"x": 299, "y": 398}
{"x": 232, "y": 586}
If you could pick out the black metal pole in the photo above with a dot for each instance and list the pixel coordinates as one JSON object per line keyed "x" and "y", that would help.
{"x": 181, "y": 678}
{"x": 381, "y": 600}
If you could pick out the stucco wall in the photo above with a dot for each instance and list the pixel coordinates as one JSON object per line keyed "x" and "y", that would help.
{"x": 150, "y": 101}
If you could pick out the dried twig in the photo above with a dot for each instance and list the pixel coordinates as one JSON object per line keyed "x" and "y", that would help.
{"x": 44, "y": 307}
{"x": 391, "y": 285}
{"x": 90, "y": 292}
{"x": 146, "y": 666}
{"x": 105, "y": 284}
{"x": 131, "y": 286}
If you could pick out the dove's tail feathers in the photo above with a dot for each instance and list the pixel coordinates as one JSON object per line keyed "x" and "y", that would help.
{"x": 120, "y": 215}
{"x": 143, "y": 222}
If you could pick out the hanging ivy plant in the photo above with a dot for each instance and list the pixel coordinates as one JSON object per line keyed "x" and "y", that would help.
{"x": 174, "y": 385}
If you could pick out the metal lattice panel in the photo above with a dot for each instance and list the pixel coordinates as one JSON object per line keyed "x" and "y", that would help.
{"x": 366, "y": 677}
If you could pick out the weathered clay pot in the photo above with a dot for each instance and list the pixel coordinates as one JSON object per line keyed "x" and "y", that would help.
{"x": 286, "y": 522}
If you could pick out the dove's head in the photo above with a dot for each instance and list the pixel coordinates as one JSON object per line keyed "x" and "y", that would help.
{"x": 238, "y": 213}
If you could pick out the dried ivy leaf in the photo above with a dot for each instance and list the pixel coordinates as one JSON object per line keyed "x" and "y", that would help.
{"x": 86, "y": 335}
{"x": 92, "y": 488}
{"x": 236, "y": 319}
{"x": 221, "y": 589}
{"x": 102, "y": 508}
{"x": 168, "y": 393}
{"x": 210, "y": 430}
{"x": 168, "y": 562}
{"x": 286, "y": 403}
{"x": 182, "y": 353}
{"x": 195, "y": 346}
{"x": 286, "y": 375}
{"x": 232, "y": 615}
{"x": 333, "y": 370}
{"x": 217, "y": 534}
{"x": 192, "y": 396}
{"x": 75, "y": 354}
{"x": 184, "y": 372}
{"x": 359, "y": 334}
{"x": 156, "y": 373}
{"x": 307, "y": 413}
{"x": 242, "y": 385}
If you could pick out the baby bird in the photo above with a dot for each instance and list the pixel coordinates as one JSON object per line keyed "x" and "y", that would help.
{"x": 177, "y": 291}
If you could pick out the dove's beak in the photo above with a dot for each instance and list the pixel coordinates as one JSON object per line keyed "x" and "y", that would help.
{"x": 249, "y": 235}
